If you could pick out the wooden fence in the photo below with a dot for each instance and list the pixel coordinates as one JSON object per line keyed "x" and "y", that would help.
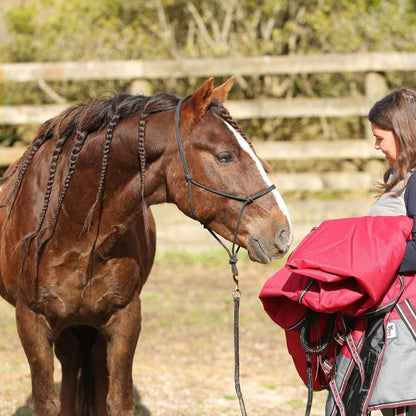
{"x": 371, "y": 65}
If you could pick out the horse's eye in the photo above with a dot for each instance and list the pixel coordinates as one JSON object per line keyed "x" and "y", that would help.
{"x": 225, "y": 157}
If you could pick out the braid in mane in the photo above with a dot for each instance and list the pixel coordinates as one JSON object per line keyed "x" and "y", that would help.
{"x": 159, "y": 103}
{"x": 31, "y": 154}
{"x": 49, "y": 185}
{"x": 142, "y": 164}
{"x": 153, "y": 105}
{"x": 76, "y": 150}
{"x": 104, "y": 167}
{"x": 27, "y": 241}
{"x": 101, "y": 187}
{"x": 142, "y": 151}
{"x": 39, "y": 233}
{"x": 45, "y": 132}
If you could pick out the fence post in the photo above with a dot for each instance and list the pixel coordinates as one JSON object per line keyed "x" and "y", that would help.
{"x": 375, "y": 88}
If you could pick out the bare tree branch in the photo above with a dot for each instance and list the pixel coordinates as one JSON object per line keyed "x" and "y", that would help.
{"x": 266, "y": 29}
{"x": 228, "y": 20}
{"x": 50, "y": 92}
{"x": 167, "y": 32}
{"x": 201, "y": 26}
{"x": 216, "y": 33}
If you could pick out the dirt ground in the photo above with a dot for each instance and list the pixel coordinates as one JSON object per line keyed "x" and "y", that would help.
{"x": 184, "y": 363}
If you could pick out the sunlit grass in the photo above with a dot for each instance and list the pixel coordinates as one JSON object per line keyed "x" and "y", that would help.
{"x": 212, "y": 258}
{"x": 186, "y": 258}
{"x": 269, "y": 385}
{"x": 297, "y": 403}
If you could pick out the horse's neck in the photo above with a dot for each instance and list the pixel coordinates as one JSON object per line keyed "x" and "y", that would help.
{"x": 160, "y": 147}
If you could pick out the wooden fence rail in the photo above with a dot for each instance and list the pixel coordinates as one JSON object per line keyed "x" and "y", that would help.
{"x": 182, "y": 68}
{"x": 207, "y": 67}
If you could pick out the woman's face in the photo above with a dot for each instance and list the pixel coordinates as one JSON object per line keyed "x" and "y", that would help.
{"x": 387, "y": 142}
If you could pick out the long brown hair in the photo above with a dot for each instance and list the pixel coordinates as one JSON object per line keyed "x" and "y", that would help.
{"x": 397, "y": 112}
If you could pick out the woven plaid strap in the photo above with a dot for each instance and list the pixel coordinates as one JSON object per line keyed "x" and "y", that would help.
{"x": 408, "y": 315}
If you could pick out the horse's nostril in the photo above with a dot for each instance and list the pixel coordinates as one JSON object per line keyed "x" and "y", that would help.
{"x": 283, "y": 238}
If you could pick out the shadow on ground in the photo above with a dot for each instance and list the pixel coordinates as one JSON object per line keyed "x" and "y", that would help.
{"x": 140, "y": 409}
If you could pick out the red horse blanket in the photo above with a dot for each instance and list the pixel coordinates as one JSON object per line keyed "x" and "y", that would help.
{"x": 345, "y": 267}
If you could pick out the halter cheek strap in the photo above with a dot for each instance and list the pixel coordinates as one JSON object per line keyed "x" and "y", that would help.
{"x": 245, "y": 200}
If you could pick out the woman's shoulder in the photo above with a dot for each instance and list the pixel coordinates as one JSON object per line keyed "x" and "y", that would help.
{"x": 410, "y": 190}
{"x": 412, "y": 179}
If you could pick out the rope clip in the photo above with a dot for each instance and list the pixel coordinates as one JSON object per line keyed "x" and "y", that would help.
{"x": 236, "y": 291}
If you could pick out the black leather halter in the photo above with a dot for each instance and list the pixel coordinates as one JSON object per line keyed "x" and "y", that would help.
{"x": 246, "y": 200}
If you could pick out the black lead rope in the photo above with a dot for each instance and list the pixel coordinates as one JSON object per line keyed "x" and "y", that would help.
{"x": 231, "y": 254}
{"x": 236, "y": 297}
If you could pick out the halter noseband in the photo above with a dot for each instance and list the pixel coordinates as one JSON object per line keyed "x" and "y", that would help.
{"x": 246, "y": 200}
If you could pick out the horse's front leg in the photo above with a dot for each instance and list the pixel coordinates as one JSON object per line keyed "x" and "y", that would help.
{"x": 36, "y": 337}
{"x": 122, "y": 333}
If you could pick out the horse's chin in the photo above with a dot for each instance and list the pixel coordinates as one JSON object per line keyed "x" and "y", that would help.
{"x": 259, "y": 257}
{"x": 261, "y": 253}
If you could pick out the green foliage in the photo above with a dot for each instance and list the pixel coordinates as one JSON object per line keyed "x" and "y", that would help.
{"x": 8, "y": 135}
{"x": 21, "y": 19}
{"x": 56, "y": 30}
{"x": 77, "y": 30}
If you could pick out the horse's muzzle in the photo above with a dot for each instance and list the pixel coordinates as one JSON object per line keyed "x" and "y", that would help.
{"x": 263, "y": 248}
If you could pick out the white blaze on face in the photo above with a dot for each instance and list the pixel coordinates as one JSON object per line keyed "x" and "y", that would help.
{"x": 246, "y": 147}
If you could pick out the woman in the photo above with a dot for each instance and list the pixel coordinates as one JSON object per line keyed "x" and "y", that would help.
{"x": 348, "y": 267}
{"x": 393, "y": 122}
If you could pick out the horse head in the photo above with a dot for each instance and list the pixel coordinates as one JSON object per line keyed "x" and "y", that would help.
{"x": 221, "y": 182}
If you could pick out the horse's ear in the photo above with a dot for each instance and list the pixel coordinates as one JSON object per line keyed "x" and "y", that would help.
{"x": 222, "y": 91}
{"x": 197, "y": 105}
{"x": 201, "y": 98}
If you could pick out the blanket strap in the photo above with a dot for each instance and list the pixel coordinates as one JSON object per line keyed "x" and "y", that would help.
{"x": 353, "y": 349}
{"x": 337, "y": 397}
{"x": 408, "y": 315}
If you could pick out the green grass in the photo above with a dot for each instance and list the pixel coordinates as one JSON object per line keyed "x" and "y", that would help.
{"x": 298, "y": 403}
{"x": 270, "y": 386}
{"x": 211, "y": 258}
{"x": 184, "y": 258}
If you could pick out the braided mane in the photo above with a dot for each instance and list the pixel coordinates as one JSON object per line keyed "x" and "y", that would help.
{"x": 78, "y": 122}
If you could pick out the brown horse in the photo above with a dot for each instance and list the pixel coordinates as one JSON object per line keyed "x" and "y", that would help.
{"x": 78, "y": 238}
